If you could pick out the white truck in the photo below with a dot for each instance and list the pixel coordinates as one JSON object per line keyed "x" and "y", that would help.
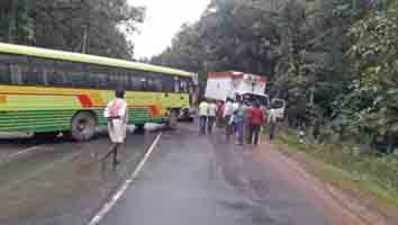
{"x": 223, "y": 85}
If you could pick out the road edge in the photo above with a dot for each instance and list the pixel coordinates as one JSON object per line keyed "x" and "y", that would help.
{"x": 107, "y": 207}
{"x": 351, "y": 206}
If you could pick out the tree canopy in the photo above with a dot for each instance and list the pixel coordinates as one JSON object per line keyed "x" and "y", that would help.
{"x": 333, "y": 60}
{"x": 93, "y": 26}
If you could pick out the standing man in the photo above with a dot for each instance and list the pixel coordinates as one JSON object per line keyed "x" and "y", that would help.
{"x": 227, "y": 113}
{"x": 235, "y": 107}
{"x": 116, "y": 113}
{"x": 211, "y": 116}
{"x": 239, "y": 121}
{"x": 272, "y": 123}
{"x": 220, "y": 110}
{"x": 256, "y": 119}
{"x": 203, "y": 113}
{"x": 246, "y": 122}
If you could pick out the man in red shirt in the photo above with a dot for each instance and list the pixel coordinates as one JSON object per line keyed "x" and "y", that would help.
{"x": 256, "y": 120}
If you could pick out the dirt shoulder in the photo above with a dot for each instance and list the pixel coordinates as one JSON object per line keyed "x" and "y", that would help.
{"x": 338, "y": 193}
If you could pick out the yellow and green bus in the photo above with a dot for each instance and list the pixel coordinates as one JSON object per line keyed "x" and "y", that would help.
{"x": 43, "y": 90}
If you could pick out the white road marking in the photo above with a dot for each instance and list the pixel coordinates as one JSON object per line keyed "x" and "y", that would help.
{"x": 115, "y": 198}
{"x": 22, "y": 152}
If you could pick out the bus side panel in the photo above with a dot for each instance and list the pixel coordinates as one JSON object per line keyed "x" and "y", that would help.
{"x": 175, "y": 100}
{"x": 35, "y": 110}
{"x": 44, "y": 109}
{"x": 145, "y": 107}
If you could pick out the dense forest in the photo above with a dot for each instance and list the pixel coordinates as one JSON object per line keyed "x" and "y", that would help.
{"x": 333, "y": 60}
{"x": 92, "y": 26}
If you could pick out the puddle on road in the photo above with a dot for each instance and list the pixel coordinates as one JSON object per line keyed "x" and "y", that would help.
{"x": 65, "y": 182}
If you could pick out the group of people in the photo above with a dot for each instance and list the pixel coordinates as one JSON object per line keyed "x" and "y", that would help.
{"x": 242, "y": 118}
{"x": 207, "y": 116}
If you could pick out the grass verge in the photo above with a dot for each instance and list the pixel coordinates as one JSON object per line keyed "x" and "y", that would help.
{"x": 368, "y": 176}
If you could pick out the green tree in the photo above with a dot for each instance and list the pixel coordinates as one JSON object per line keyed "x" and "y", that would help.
{"x": 92, "y": 26}
{"x": 16, "y": 24}
{"x": 374, "y": 53}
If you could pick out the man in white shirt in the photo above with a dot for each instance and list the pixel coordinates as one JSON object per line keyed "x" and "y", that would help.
{"x": 116, "y": 113}
{"x": 211, "y": 116}
{"x": 203, "y": 114}
{"x": 228, "y": 111}
{"x": 272, "y": 121}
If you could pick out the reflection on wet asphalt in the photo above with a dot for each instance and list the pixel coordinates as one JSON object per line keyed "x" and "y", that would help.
{"x": 192, "y": 179}
{"x": 62, "y": 182}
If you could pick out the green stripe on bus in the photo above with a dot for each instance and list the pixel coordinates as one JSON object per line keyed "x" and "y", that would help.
{"x": 60, "y": 120}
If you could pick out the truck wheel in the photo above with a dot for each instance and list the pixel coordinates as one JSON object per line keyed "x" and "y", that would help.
{"x": 83, "y": 126}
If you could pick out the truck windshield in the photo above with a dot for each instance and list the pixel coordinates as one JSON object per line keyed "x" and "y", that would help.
{"x": 251, "y": 99}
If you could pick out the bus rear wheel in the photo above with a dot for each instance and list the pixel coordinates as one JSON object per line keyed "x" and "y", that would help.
{"x": 83, "y": 126}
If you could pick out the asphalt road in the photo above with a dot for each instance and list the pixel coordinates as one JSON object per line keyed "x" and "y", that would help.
{"x": 57, "y": 182}
{"x": 193, "y": 179}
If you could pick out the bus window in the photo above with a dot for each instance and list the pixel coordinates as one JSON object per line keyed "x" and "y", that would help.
{"x": 113, "y": 81}
{"x": 177, "y": 85}
{"x": 98, "y": 76}
{"x": 144, "y": 84}
{"x": 45, "y": 76}
{"x": 184, "y": 85}
{"x": 168, "y": 83}
{"x": 55, "y": 77}
{"x": 130, "y": 81}
{"x": 42, "y": 68}
{"x": 135, "y": 81}
{"x": 16, "y": 74}
{"x": 150, "y": 84}
{"x": 31, "y": 75}
{"x": 126, "y": 80}
{"x": 77, "y": 79}
{"x": 100, "y": 79}
{"x": 5, "y": 74}
{"x": 158, "y": 84}
{"x": 61, "y": 73}
{"x": 5, "y": 67}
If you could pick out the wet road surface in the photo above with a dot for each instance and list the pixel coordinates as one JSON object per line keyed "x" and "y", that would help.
{"x": 59, "y": 181}
{"x": 193, "y": 179}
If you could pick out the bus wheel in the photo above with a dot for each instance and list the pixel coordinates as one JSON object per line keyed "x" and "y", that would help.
{"x": 173, "y": 120}
{"x": 140, "y": 129}
{"x": 83, "y": 126}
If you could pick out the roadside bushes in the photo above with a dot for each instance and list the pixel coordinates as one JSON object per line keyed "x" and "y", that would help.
{"x": 376, "y": 172}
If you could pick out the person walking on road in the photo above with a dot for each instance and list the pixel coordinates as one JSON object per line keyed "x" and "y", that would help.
{"x": 235, "y": 107}
{"x": 211, "y": 116}
{"x": 246, "y": 122}
{"x": 219, "y": 116}
{"x": 116, "y": 113}
{"x": 238, "y": 119}
{"x": 272, "y": 120}
{"x": 256, "y": 119}
{"x": 227, "y": 113}
{"x": 203, "y": 113}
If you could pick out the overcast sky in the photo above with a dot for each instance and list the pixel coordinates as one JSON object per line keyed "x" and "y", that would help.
{"x": 163, "y": 20}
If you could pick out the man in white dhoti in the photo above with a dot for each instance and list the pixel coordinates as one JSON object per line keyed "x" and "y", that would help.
{"x": 117, "y": 114}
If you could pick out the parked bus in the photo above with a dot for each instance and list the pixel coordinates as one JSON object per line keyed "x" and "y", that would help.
{"x": 44, "y": 90}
